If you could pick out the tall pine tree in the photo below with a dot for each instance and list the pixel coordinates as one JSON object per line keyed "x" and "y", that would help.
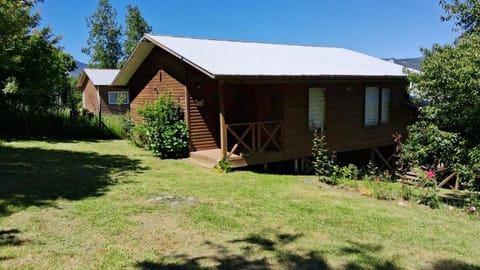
{"x": 135, "y": 27}
{"x": 103, "y": 43}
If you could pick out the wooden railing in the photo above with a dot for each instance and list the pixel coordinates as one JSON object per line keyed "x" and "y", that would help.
{"x": 254, "y": 137}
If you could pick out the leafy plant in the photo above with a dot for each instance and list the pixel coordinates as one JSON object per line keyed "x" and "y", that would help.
{"x": 406, "y": 192}
{"x": 224, "y": 165}
{"x": 323, "y": 161}
{"x": 370, "y": 171}
{"x": 127, "y": 125}
{"x": 430, "y": 196}
{"x": 165, "y": 130}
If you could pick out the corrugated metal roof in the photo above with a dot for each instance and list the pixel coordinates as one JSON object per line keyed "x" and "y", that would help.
{"x": 101, "y": 76}
{"x": 235, "y": 58}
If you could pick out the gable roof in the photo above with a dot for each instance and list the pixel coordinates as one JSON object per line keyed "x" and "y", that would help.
{"x": 102, "y": 77}
{"x": 217, "y": 58}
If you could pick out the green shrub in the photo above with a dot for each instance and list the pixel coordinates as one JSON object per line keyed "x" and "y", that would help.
{"x": 224, "y": 166}
{"x": 430, "y": 195}
{"x": 323, "y": 161}
{"x": 138, "y": 135}
{"x": 429, "y": 146}
{"x": 165, "y": 130}
{"x": 127, "y": 126}
{"x": 381, "y": 190}
{"x": 59, "y": 124}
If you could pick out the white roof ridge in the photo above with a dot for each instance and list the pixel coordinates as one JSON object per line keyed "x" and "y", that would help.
{"x": 247, "y": 41}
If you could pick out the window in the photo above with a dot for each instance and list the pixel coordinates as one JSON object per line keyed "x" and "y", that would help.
{"x": 118, "y": 98}
{"x": 385, "y": 116}
{"x": 316, "y": 108}
{"x": 377, "y": 106}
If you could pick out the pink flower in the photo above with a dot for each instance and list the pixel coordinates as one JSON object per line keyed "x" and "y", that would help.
{"x": 472, "y": 209}
{"x": 430, "y": 174}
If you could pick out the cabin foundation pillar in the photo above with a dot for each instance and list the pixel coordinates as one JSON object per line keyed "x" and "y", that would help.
{"x": 223, "y": 128}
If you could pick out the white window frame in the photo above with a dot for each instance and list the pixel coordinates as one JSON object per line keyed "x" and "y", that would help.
{"x": 118, "y": 93}
{"x": 377, "y": 106}
{"x": 316, "y": 108}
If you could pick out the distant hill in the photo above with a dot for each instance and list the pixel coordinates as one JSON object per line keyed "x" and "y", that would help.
{"x": 78, "y": 70}
{"x": 407, "y": 62}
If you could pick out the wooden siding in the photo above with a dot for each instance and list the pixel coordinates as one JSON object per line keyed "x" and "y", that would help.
{"x": 344, "y": 123}
{"x": 161, "y": 73}
{"x": 90, "y": 96}
{"x": 157, "y": 75}
{"x": 204, "y": 116}
{"x": 108, "y": 109}
{"x": 160, "y": 84}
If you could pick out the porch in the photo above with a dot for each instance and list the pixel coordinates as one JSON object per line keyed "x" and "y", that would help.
{"x": 245, "y": 144}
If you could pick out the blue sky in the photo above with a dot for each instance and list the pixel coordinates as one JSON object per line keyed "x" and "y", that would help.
{"x": 382, "y": 28}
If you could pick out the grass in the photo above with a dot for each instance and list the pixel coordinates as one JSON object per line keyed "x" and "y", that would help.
{"x": 88, "y": 205}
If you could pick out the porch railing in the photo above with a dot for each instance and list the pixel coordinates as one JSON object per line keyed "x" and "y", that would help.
{"x": 254, "y": 137}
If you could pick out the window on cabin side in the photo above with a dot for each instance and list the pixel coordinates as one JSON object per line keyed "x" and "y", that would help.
{"x": 377, "y": 106}
{"x": 385, "y": 105}
{"x": 316, "y": 108}
{"x": 118, "y": 98}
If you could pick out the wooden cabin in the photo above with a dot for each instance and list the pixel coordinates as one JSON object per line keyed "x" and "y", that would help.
{"x": 256, "y": 103}
{"x": 98, "y": 94}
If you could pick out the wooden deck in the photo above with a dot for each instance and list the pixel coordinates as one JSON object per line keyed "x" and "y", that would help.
{"x": 210, "y": 158}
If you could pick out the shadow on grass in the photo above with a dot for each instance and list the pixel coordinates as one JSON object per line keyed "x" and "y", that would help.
{"x": 454, "y": 264}
{"x": 360, "y": 256}
{"x": 365, "y": 257}
{"x": 9, "y": 238}
{"x": 227, "y": 259}
{"x": 38, "y": 177}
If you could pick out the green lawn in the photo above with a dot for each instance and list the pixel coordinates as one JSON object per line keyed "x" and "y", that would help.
{"x": 109, "y": 205}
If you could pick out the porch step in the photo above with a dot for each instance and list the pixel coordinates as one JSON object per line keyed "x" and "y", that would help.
{"x": 206, "y": 158}
{"x": 209, "y": 158}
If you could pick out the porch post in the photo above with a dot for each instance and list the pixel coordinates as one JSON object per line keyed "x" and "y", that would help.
{"x": 223, "y": 128}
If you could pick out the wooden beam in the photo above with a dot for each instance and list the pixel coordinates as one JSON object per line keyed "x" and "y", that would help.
{"x": 446, "y": 180}
{"x": 223, "y": 128}
{"x": 383, "y": 159}
{"x": 187, "y": 108}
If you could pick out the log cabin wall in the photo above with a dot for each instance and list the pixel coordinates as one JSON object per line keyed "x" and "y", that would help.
{"x": 90, "y": 97}
{"x": 159, "y": 74}
{"x": 344, "y": 121}
{"x": 111, "y": 109}
{"x": 204, "y": 123}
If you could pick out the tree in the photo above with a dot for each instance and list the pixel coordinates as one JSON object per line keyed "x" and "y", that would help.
{"x": 136, "y": 27}
{"x": 466, "y": 14}
{"x": 449, "y": 84}
{"x": 103, "y": 43}
{"x": 15, "y": 23}
{"x": 33, "y": 67}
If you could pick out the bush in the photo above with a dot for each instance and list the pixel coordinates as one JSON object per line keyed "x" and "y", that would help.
{"x": 429, "y": 146}
{"x": 165, "y": 130}
{"x": 323, "y": 161}
{"x": 224, "y": 166}
{"x": 59, "y": 124}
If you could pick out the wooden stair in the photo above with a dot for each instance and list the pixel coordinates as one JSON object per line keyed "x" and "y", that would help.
{"x": 411, "y": 178}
